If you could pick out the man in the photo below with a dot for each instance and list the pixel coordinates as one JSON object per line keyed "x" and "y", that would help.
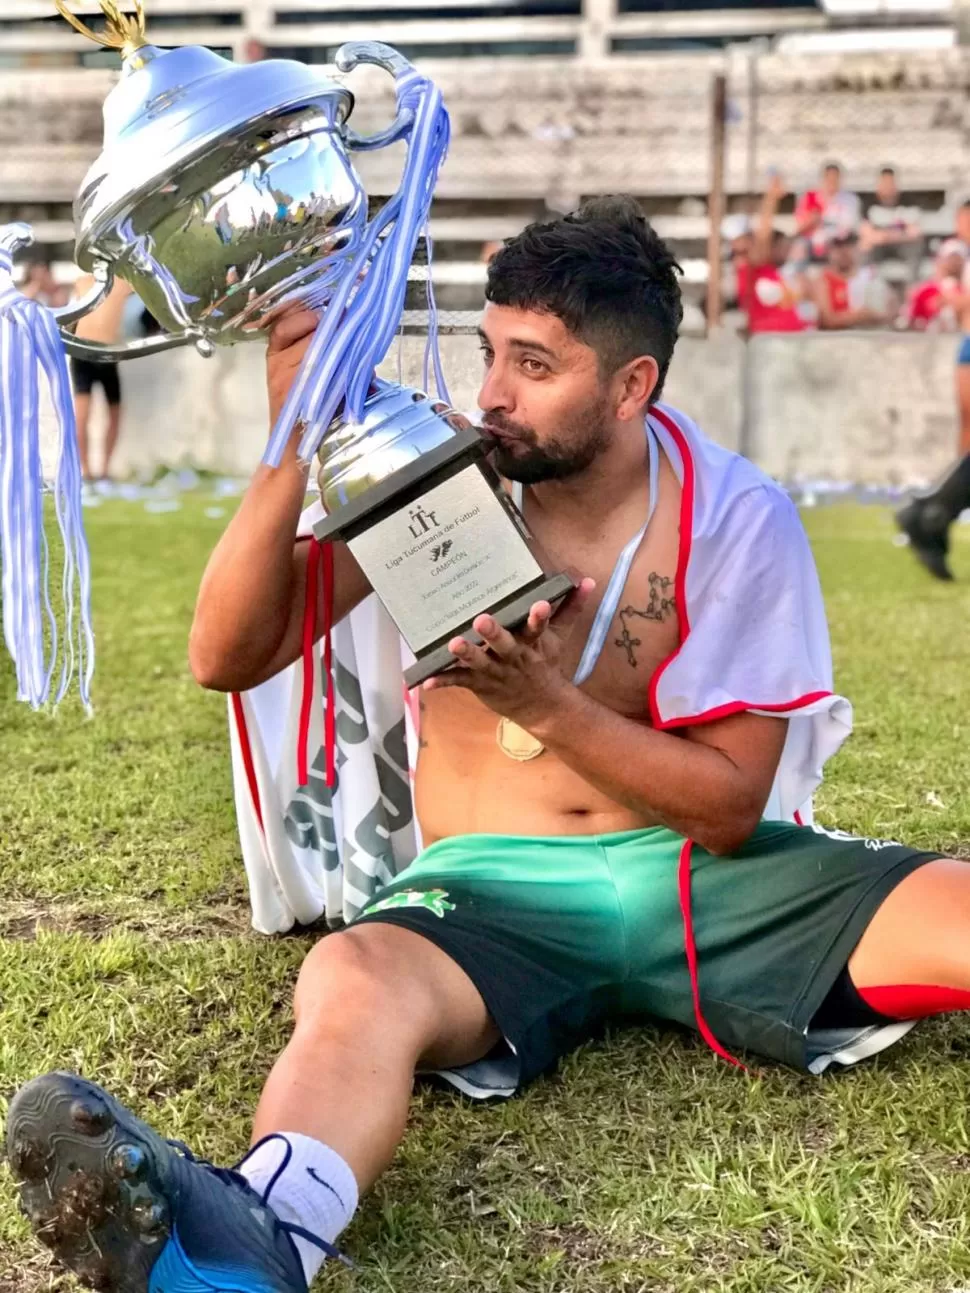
{"x": 102, "y": 325}
{"x": 770, "y": 289}
{"x": 926, "y": 520}
{"x": 842, "y": 289}
{"x": 890, "y": 230}
{"x": 822, "y": 213}
{"x": 550, "y": 896}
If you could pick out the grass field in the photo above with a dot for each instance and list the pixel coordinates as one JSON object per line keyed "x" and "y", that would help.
{"x": 645, "y": 1164}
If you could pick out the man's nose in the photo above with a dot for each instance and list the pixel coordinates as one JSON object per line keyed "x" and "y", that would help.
{"x": 496, "y": 393}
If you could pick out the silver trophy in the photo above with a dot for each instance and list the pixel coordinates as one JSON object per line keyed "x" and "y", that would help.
{"x": 225, "y": 192}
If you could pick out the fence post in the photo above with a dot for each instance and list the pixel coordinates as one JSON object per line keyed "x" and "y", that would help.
{"x": 715, "y": 204}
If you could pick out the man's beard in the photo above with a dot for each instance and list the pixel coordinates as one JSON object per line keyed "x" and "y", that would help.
{"x": 557, "y": 458}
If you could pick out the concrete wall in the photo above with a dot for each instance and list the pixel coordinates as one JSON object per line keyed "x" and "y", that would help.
{"x": 870, "y": 408}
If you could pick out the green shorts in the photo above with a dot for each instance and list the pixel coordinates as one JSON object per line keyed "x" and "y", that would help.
{"x": 563, "y": 935}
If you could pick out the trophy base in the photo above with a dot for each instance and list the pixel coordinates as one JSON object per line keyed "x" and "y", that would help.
{"x": 513, "y": 614}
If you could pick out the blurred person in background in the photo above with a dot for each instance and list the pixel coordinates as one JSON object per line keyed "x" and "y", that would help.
{"x": 104, "y": 325}
{"x": 932, "y": 306}
{"x": 770, "y": 288}
{"x": 39, "y": 284}
{"x": 891, "y": 231}
{"x": 846, "y": 295}
{"x": 737, "y": 236}
{"x": 961, "y": 228}
{"x": 823, "y": 213}
{"x": 927, "y": 518}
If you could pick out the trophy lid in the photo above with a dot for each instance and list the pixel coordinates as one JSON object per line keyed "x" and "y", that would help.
{"x": 173, "y": 107}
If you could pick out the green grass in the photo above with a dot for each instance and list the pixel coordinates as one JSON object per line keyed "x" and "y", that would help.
{"x": 644, "y": 1164}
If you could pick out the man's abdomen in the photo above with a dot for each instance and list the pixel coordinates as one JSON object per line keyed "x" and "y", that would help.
{"x": 466, "y": 785}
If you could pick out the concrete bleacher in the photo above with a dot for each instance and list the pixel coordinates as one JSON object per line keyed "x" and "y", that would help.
{"x": 537, "y": 134}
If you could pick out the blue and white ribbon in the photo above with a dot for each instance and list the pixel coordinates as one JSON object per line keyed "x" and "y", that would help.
{"x": 363, "y": 315}
{"x": 45, "y": 659}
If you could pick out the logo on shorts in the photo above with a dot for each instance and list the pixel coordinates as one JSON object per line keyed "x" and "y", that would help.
{"x": 433, "y": 900}
{"x": 846, "y": 837}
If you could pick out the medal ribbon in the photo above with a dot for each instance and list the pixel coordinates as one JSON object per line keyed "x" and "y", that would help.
{"x": 614, "y": 589}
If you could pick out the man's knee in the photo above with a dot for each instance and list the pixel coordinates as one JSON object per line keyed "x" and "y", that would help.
{"x": 365, "y": 978}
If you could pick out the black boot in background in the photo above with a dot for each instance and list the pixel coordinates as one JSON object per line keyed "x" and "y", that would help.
{"x": 927, "y": 519}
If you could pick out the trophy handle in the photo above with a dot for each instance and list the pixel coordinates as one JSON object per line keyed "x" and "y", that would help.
{"x": 100, "y": 352}
{"x": 352, "y": 55}
{"x": 14, "y": 237}
{"x": 103, "y": 282}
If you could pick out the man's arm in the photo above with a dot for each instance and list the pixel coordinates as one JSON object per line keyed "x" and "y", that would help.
{"x": 249, "y": 618}
{"x": 765, "y": 228}
{"x": 870, "y": 236}
{"x": 830, "y": 320}
{"x": 710, "y": 783}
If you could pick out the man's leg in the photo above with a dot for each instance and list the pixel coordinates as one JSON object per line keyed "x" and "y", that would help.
{"x": 927, "y": 518}
{"x": 111, "y": 384}
{"x": 963, "y": 406}
{"x": 82, "y": 415}
{"x": 130, "y": 1213}
{"x": 917, "y": 944}
{"x": 372, "y": 1004}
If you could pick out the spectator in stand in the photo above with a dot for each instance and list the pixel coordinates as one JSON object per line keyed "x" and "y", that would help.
{"x": 843, "y": 292}
{"x": 891, "y": 231}
{"x": 826, "y": 212}
{"x": 932, "y": 306}
{"x": 736, "y": 232}
{"x": 770, "y": 289}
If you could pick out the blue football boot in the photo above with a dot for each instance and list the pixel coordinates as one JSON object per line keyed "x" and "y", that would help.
{"x": 130, "y": 1212}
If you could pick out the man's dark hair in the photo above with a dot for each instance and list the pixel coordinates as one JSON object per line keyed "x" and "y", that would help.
{"x": 605, "y": 273}
{"x": 833, "y": 166}
{"x": 888, "y": 170}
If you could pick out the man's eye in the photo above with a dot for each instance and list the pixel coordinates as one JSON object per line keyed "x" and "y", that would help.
{"x": 486, "y": 354}
{"x": 533, "y": 366}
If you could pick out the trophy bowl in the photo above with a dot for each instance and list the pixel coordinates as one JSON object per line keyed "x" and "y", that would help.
{"x": 222, "y": 191}
{"x": 213, "y": 219}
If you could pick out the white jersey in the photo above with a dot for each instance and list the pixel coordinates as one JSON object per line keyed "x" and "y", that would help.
{"x": 753, "y": 636}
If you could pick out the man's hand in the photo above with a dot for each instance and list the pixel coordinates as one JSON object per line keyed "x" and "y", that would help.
{"x": 776, "y": 189}
{"x": 518, "y": 674}
{"x": 291, "y": 332}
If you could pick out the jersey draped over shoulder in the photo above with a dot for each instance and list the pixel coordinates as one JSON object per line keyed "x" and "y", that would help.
{"x": 753, "y": 630}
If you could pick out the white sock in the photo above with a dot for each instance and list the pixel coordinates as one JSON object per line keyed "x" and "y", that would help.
{"x": 308, "y": 1185}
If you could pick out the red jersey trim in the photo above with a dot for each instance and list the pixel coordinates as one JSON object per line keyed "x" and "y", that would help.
{"x": 246, "y": 750}
{"x": 683, "y": 561}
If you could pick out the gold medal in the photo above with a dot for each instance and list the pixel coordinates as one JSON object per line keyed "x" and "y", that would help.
{"x": 517, "y": 743}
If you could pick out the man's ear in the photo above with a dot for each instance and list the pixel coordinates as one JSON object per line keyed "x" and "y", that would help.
{"x": 637, "y": 381}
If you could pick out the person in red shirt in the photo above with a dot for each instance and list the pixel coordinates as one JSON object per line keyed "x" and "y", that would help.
{"x": 768, "y": 291}
{"x": 931, "y": 305}
{"x": 840, "y": 289}
{"x": 826, "y": 212}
